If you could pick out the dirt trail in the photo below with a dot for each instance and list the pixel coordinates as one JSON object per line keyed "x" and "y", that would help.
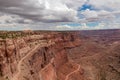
{"x": 72, "y": 72}
{"x": 25, "y": 57}
{"x": 21, "y": 61}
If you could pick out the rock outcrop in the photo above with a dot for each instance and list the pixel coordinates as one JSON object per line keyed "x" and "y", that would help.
{"x": 39, "y": 57}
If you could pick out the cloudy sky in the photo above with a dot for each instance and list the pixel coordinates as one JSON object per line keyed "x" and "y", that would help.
{"x": 59, "y": 14}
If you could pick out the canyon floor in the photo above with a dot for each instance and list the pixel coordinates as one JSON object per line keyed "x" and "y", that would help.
{"x": 60, "y": 55}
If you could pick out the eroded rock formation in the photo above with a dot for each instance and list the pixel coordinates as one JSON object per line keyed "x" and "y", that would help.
{"x": 39, "y": 57}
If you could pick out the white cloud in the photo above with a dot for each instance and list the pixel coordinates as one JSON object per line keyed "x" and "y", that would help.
{"x": 101, "y": 15}
{"x": 50, "y": 14}
{"x": 106, "y": 4}
{"x": 64, "y": 27}
{"x": 84, "y": 26}
{"x": 90, "y": 14}
{"x": 68, "y": 27}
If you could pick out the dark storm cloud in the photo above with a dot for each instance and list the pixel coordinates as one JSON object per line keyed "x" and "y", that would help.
{"x": 36, "y": 11}
{"x": 22, "y": 8}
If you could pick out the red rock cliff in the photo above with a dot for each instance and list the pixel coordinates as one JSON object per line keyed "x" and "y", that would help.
{"x": 38, "y": 57}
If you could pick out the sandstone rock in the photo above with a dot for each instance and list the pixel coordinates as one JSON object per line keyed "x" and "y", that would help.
{"x": 36, "y": 57}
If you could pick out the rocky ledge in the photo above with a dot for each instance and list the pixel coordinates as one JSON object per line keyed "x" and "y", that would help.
{"x": 40, "y": 56}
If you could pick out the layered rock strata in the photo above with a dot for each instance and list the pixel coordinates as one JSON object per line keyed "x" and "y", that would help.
{"x": 39, "y": 57}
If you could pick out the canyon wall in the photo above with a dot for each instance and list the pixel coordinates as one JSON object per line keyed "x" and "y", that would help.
{"x": 38, "y": 56}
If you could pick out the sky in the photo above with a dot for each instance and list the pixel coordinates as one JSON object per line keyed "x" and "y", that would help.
{"x": 59, "y": 14}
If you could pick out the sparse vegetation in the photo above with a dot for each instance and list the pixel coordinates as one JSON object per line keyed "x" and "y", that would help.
{"x": 93, "y": 56}
{"x": 12, "y": 35}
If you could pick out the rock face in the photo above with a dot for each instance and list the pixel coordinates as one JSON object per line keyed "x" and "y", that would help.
{"x": 98, "y": 54}
{"x": 11, "y": 52}
{"x": 39, "y": 57}
{"x": 88, "y": 55}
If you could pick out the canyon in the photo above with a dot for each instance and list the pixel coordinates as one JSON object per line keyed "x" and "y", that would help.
{"x": 60, "y": 55}
{"x": 38, "y": 56}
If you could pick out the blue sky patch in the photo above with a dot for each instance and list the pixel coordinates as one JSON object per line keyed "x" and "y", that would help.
{"x": 92, "y": 24}
{"x": 86, "y": 6}
{"x": 73, "y": 24}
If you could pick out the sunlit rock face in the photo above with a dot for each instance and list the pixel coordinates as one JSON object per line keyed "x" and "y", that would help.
{"x": 39, "y": 56}
{"x": 84, "y": 55}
